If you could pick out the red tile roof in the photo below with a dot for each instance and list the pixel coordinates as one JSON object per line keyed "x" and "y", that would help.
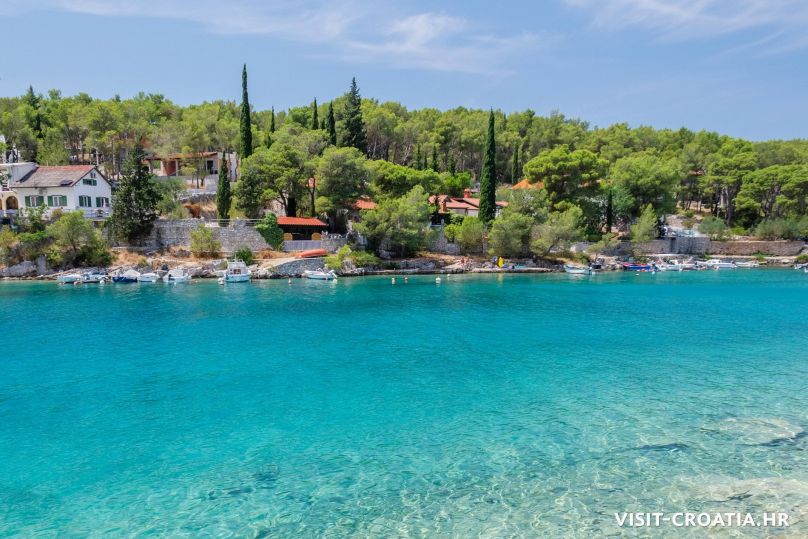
{"x": 524, "y": 184}
{"x": 59, "y": 176}
{"x": 300, "y": 221}
{"x": 365, "y": 204}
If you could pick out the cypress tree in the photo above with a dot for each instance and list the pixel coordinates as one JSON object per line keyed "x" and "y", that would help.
{"x": 315, "y": 122}
{"x": 434, "y": 164}
{"x": 272, "y": 121}
{"x": 488, "y": 178}
{"x": 515, "y": 165}
{"x": 609, "y": 211}
{"x": 451, "y": 166}
{"x": 355, "y": 135}
{"x": 246, "y": 128}
{"x": 417, "y": 164}
{"x": 332, "y": 124}
{"x": 223, "y": 194}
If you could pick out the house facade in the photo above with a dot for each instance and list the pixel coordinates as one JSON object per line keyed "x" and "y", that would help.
{"x": 67, "y": 188}
{"x": 467, "y": 205}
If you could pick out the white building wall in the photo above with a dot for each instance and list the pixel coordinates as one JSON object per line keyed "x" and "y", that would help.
{"x": 101, "y": 189}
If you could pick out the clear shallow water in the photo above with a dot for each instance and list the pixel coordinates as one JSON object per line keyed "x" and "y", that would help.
{"x": 487, "y": 406}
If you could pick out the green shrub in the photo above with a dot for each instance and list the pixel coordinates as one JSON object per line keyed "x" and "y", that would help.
{"x": 270, "y": 231}
{"x": 450, "y": 231}
{"x": 802, "y": 259}
{"x": 779, "y": 229}
{"x": 470, "y": 235}
{"x": 714, "y": 227}
{"x": 244, "y": 254}
{"x": 360, "y": 259}
{"x": 760, "y": 257}
{"x": 203, "y": 243}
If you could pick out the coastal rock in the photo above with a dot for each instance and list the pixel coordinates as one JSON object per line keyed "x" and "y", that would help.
{"x": 23, "y": 269}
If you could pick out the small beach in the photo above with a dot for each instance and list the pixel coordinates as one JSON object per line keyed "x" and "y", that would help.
{"x": 488, "y": 405}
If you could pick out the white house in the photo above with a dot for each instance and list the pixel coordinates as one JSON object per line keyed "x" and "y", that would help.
{"x": 69, "y": 188}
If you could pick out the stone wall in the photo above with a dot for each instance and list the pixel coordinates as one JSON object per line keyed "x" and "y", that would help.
{"x": 701, "y": 245}
{"x": 177, "y": 233}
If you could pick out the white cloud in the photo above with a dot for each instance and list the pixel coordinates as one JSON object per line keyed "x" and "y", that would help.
{"x": 354, "y": 33}
{"x": 777, "y": 24}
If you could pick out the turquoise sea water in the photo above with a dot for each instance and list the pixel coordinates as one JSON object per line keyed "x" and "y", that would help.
{"x": 486, "y": 406}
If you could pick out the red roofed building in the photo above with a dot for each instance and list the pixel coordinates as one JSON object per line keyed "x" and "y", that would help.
{"x": 301, "y": 228}
{"x": 465, "y": 205}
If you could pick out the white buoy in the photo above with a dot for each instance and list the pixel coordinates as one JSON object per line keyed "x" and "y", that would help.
{"x": 406, "y": 280}
{"x": 221, "y": 280}
{"x": 290, "y": 280}
{"x": 437, "y": 280}
{"x": 393, "y": 280}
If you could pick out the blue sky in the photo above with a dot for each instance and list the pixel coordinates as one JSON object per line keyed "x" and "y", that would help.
{"x": 734, "y": 66}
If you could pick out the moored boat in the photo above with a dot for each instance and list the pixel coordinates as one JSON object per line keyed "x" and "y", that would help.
{"x": 236, "y": 272}
{"x": 93, "y": 277}
{"x": 177, "y": 275}
{"x": 747, "y": 264}
{"x": 320, "y": 275}
{"x": 636, "y": 266}
{"x": 715, "y": 263}
{"x": 577, "y": 270}
{"x": 311, "y": 253}
{"x": 69, "y": 278}
{"x": 128, "y": 276}
{"x": 148, "y": 277}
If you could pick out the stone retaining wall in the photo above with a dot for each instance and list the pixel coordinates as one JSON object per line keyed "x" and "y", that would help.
{"x": 704, "y": 246}
{"x": 177, "y": 233}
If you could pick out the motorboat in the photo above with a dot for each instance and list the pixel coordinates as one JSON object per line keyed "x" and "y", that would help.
{"x": 236, "y": 272}
{"x": 94, "y": 277}
{"x": 715, "y": 263}
{"x": 801, "y": 266}
{"x": 662, "y": 265}
{"x": 128, "y": 276}
{"x": 577, "y": 270}
{"x": 320, "y": 275}
{"x": 148, "y": 277}
{"x": 636, "y": 266}
{"x": 747, "y": 264}
{"x": 69, "y": 278}
{"x": 684, "y": 265}
{"x": 177, "y": 275}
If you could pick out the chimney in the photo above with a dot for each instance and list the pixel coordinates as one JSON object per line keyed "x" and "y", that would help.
{"x": 467, "y": 193}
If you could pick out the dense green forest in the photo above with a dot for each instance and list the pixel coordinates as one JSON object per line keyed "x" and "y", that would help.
{"x": 362, "y": 147}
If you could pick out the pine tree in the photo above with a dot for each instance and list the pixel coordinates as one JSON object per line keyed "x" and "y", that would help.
{"x": 434, "y": 164}
{"x": 315, "y": 122}
{"x": 134, "y": 207}
{"x": 355, "y": 135}
{"x": 515, "y": 165}
{"x": 451, "y": 165}
{"x": 246, "y": 127}
{"x": 223, "y": 195}
{"x": 488, "y": 178}
{"x": 332, "y": 124}
{"x": 272, "y": 121}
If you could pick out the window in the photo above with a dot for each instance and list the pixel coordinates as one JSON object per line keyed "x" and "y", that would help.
{"x": 101, "y": 202}
{"x": 89, "y": 181}
{"x": 57, "y": 200}
{"x": 34, "y": 201}
{"x": 85, "y": 201}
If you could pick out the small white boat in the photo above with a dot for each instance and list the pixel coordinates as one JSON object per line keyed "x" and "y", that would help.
{"x": 69, "y": 278}
{"x": 177, "y": 275}
{"x": 747, "y": 264}
{"x": 92, "y": 277}
{"x": 661, "y": 265}
{"x": 801, "y": 266}
{"x": 684, "y": 265}
{"x": 320, "y": 275}
{"x": 577, "y": 270}
{"x": 148, "y": 277}
{"x": 715, "y": 263}
{"x": 236, "y": 272}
